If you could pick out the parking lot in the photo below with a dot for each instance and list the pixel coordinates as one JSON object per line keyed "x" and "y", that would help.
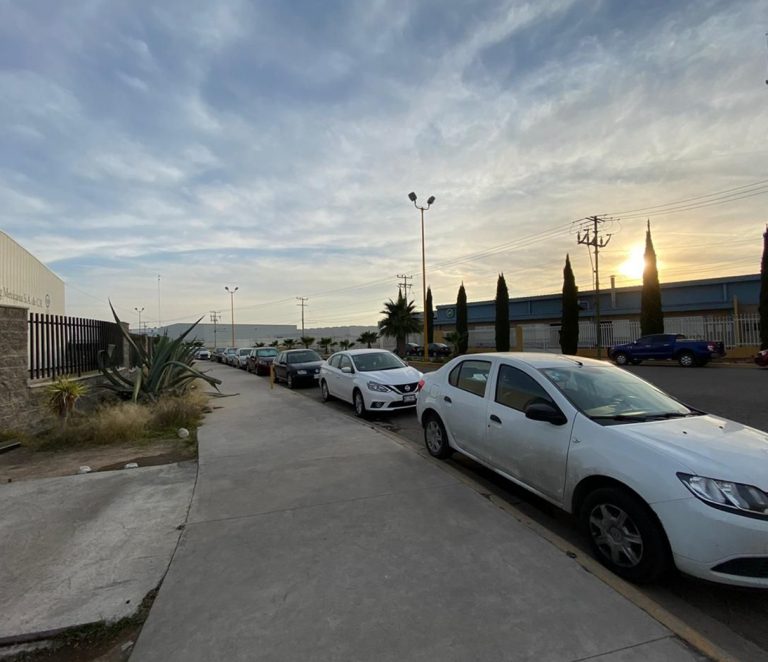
{"x": 734, "y": 619}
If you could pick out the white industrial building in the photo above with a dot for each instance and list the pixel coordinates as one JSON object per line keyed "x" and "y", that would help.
{"x": 25, "y": 282}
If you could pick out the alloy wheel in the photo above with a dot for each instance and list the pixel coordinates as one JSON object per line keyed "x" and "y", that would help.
{"x": 616, "y": 535}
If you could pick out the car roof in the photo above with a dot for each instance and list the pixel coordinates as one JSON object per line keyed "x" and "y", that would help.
{"x": 541, "y": 359}
{"x": 357, "y": 352}
{"x": 298, "y": 349}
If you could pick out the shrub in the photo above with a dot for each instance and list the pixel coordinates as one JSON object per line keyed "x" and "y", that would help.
{"x": 184, "y": 411}
{"x": 62, "y": 395}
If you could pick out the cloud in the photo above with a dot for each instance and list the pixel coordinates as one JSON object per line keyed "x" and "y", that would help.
{"x": 273, "y": 144}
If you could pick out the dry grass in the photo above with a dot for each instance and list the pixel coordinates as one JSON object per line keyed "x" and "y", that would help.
{"x": 185, "y": 411}
{"x": 126, "y": 422}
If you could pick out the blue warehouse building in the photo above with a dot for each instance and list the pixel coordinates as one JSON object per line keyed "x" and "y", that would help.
{"x": 696, "y": 308}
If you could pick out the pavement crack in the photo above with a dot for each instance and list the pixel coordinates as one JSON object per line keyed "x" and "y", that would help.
{"x": 623, "y": 648}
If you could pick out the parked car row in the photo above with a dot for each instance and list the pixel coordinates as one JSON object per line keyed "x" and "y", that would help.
{"x": 655, "y": 483}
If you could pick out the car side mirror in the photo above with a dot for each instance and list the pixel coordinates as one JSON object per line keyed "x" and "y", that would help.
{"x": 347, "y": 369}
{"x": 545, "y": 412}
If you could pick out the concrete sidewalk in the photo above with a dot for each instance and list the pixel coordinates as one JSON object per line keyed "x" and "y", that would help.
{"x": 313, "y": 537}
{"x": 81, "y": 549}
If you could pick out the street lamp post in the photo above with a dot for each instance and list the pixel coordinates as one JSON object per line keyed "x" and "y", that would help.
{"x": 139, "y": 311}
{"x": 430, "y": 202}
{"x": 232, "y": 306}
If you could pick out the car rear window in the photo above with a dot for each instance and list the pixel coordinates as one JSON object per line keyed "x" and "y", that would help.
{"x": 303, "y": 357}
{"x": 471, "y": 376}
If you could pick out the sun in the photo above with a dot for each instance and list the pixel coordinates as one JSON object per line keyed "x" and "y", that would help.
{"x": 634, "y": 265}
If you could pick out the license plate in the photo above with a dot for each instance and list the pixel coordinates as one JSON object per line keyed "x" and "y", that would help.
{"x": 409, "y": 398}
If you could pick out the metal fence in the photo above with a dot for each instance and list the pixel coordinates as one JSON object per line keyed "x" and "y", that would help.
{"x": 734, "y": 331}
{"x": 59, "y": 345}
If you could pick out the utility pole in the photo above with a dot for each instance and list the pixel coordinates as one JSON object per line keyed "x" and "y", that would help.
{"x": 302, "y": 302}
{"x": 589, "y": 235}
{"x": 405, "y": 285}
{"x": 215, "y": 318}
{"x": 158, "y": 304}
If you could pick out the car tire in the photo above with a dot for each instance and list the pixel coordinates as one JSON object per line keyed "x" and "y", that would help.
{"x": 359, "y": 404}
{"x": 289, "y": 382}
{"x": 325, "y": 394}
{"x": 436, "y": 438}
{"x": 620, "y": 358}
{"x": 686, "y": 359}
{"x": 636, "y": 361}
{"x": 625, "y": 535}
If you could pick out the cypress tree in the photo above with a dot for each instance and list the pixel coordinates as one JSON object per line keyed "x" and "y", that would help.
{"x": 461, "y": 320}
{"x": 569, "y": 322}
{"x": 502, "y": 315}
{"x": 764, "y": 293}
{"x": 651, "y": 317}
{"x": 430, "y": 317}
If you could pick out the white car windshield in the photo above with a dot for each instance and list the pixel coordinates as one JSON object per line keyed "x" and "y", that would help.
{"x": 377, "y": 361}
{"x": 612, "y": 394}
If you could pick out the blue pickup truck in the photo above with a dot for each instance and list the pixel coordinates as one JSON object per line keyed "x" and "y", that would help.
{"x": 670, "y": 346}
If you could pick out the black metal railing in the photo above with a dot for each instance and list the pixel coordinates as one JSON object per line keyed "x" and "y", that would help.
{"x": 60, "y": 345}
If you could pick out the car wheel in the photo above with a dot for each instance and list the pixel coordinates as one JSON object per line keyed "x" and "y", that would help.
{"x": 289, "y": 381}
{"x": 625, "y": 535}
{"x": 357, "y": 400}
{"x": 436, "y": 438}
{"x": 636, "y": 361}
{"x": 620, "y": 358}
{"x": 325, "y": 394}
{"x": 686, "y": 359}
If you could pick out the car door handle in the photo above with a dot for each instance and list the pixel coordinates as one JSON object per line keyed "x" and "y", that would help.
{"x": 447, "y": 399}
{"x": 495, "y": 419}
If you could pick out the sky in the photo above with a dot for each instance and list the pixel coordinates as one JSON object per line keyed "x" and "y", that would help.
{"x": 152, "y": 153}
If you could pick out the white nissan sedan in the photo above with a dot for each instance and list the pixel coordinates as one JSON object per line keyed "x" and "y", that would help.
{"x": 371, "y": 379}
{"x": 654, "y": 482}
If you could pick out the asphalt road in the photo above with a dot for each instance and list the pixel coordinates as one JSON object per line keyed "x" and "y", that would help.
{"x": 735, "y": 619}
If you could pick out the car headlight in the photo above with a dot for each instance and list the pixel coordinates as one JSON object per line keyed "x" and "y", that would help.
{"x": 301, "y": 372}
{"x": 737, "y": 497}
{"x": 380, "y": 388}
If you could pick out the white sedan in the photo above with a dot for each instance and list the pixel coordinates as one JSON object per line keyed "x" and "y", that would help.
{"x": 654, "y": 482}
{"x": 370, "y": 379}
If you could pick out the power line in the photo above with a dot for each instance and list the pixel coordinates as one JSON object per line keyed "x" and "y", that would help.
{"x": 696, "y": 197}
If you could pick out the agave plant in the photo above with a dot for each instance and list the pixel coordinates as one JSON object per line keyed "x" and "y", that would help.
{"x": 164, "y": 367}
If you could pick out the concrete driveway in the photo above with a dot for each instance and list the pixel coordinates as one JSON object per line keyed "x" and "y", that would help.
{"x": 81, "y": 549}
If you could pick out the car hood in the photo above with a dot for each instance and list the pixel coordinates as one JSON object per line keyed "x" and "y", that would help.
{"x": 392, "y": 377}
{"x": 308, "y": 365}
{"x": 709, "y": 446}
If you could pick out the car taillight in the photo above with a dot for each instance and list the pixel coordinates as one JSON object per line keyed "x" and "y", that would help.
{"x": 420, "y": 385}
{"x": 711, "y": 347}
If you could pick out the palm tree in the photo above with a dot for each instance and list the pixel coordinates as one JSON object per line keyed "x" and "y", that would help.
{"x": 306, "y": 341}
{"x": 259, "y": 344}
{"x": 399, "y": 321}
{"x": 274, "y": 343}
{"x": 289, "y": 343}
{"x": 367, "y": 337}
{"x": 325, "y": 343}
{"x": 454, "y": 339}
{"x": 346, "y": 344}
{"x": 332, "y": 344}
